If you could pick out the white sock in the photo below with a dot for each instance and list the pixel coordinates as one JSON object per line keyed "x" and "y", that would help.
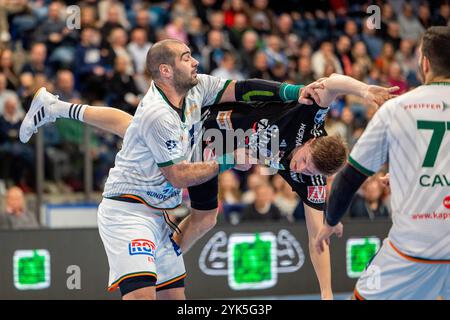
{"x": 69, "y": 110}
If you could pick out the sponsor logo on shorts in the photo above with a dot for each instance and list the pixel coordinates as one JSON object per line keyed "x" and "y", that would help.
{"x": 316, "y": 194}
{"x": 141, "y": 246}
{"x": 224, "y": 120}
{"x": 447, "y": 202}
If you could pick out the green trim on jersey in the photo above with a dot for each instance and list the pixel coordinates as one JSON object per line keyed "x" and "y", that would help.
{"x": 247, "y": 97}
{"x": 170, "y": 162}
{"x": 220, "y": 93}
{"x": 439, "y": 83}
{"x": 183, "y": 108}
{"x": 359, "y": 167}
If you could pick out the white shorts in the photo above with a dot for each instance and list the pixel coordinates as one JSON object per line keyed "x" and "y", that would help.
{"x": 138, "y": 242}
{"x": 392, "y": 275}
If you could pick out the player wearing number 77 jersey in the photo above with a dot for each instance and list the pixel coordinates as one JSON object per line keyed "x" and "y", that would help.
{"x": 412, "y": 132}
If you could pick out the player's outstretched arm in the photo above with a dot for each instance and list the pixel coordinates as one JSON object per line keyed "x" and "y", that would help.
{"x": 338, "y": 85}
{"x": 266, "y": 90}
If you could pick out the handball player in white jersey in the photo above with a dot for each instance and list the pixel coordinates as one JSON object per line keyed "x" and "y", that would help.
{"x": 412, "y": 134}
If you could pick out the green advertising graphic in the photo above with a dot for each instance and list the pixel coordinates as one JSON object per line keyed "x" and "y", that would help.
{"x": 31, "y": 269}
{"x": 252, "y": 261}
{"x": 359, "y": 253}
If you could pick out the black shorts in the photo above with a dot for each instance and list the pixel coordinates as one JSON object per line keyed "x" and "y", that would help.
{"x": 204, "y": 196}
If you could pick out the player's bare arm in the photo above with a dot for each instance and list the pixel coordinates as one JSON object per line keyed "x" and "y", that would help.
{"x": 320, "y": 261}
{"x": 337, "y": 85}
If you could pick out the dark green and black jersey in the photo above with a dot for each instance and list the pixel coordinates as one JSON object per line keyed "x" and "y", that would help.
{"x": 288, "y": 125}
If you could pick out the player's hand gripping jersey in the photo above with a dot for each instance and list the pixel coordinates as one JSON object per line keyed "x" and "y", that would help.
{"x": 413, "y": 132}
{"x": 290, "y": 124}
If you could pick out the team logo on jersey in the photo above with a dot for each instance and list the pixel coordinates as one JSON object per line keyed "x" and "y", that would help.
{"x": 316, "y": 132}
{"x": 224, "y": 120}
{"x": 171, "y": 144}
{"x": 316, "y": 194}
{"x": 141, "y": 246}
{"x": 447, "y": 202}
{"x": 320, "y": 115}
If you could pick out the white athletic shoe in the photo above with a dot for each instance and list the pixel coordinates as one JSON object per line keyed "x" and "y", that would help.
{"x": 39, "y": 114}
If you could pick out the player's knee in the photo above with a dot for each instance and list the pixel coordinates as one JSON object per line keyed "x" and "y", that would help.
{"x": 147, "y": 293}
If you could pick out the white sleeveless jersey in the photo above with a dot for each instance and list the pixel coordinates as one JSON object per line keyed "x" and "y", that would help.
{"x": 156, "y": 138}
{"x": 412, "y": 133}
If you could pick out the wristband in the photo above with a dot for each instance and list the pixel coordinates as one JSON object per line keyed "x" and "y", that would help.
{"x": 226, "y": 161}
{"x": 290, "y": 92}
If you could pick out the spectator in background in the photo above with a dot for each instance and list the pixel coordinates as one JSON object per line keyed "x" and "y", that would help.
{"x": 112, "y": 16}
{"x": 237, "y": 30}
{"x": 138, "y": 48}
{"x": 264, "y": 17}
{"x": 26, "y": 89}
{"x": 16, "y": 215}
{"x": 286, "y": 200}
{"x": 408, "y": 61}
{"x": 343, "y": 47}
{"x": 7, "y": 68}
{"x": 369, "y": 204}
{"x": 320, "y": 58}
{"x": 373, "y": 43}
{"x": 37, "y": 60}
{"x": 118, "y": 39}
{"x": 284, "y": 26}
{"x": 123, "y": 92}
{"x": 386, "y": 58}
{"x": 249, "y": 47}
{"x": 183, "y": 9}
{"x": 176, "y": 29}
{"x": 231, "y": 9}
{"x": 360, "y": 57}
{"x": 351, "y": 31}
{"x": 424, "y": 15}
{"x": 212, "y": 53}
{"x": 396, "y": 78}
{"x": 17, "y": 159}
{"x": 196, "y": 38}
{"x": 229, "y": 191}
{"x": 88, "y": 17}
{"x": 410, "y": 26}
{"x": 387, "y": 16}
{"x": 58, "y": 39}
{"x": 5, "y": 93}
{"x": 65, "y": 87}
{"x": 393, "y": 34}
{"x": 260, "y": 67}
{"x": 143, "y": 21}
{"x": 253, "y": 180}
{"x": 305, "y": 74}
{"x": 263, "y": 208}
{"x": 443, "y": 16}
{"x": 227, "y": 69}
{"x": 216, "y": 21}
{"x": 90, "y": 71}
{"x": 274, "y": 51}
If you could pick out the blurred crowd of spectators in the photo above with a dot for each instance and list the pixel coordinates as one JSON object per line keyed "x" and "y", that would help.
{"x": 94, "y": 53}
